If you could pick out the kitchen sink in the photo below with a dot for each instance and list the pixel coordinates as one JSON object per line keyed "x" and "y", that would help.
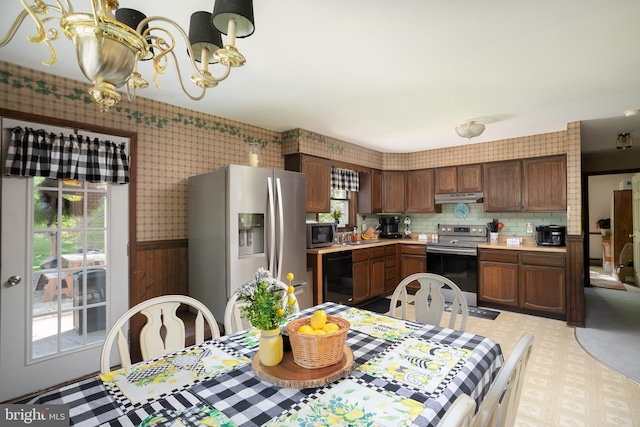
{"x": 359, "y": 242}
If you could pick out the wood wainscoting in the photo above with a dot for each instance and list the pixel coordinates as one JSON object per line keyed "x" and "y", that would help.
{"x": 161, "y": 268}
{"x": 575, "y": 280}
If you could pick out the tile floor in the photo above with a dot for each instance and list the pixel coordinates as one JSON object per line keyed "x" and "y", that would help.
{"x": 564, "y": 385}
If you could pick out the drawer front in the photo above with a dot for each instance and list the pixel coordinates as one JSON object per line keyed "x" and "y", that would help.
{"x": 390, "y": 250}
{"x": 413, "y": 250}
{"x": 377, "y": 252}
{"x": 360, "y": 255}
{"x": 391, "y": 261}
{"x": 541, "y": 259}
{"x": 500, "y": 255}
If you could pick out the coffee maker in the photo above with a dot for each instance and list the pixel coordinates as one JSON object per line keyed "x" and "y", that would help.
{"x": 389, "y": 226}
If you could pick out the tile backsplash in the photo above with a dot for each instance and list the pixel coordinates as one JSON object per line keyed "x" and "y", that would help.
{"x": 515, "y": 223}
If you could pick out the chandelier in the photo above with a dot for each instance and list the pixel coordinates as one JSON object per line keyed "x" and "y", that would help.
{"x": 470, "y": 129}
{"x": 109, "y": 46}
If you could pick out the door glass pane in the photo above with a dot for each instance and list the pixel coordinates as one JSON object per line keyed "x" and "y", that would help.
{"x": 69, "y": 302}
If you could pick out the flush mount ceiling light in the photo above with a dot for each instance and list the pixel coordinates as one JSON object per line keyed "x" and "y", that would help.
{"x": 624, "y": 141}
{"x": 631, "y": 113}
{"x": 470, "y": 129}
{"x": 108, "y": 46}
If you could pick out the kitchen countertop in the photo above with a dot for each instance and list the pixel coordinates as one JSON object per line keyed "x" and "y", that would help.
{"x": 528, "y": 244}
{"x": 364, "y": 244}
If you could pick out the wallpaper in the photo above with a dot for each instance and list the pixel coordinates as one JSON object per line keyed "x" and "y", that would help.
{"x": 175, "y": 143}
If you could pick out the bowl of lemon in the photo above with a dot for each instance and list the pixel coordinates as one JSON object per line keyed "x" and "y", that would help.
{"x": 317, "y": 341}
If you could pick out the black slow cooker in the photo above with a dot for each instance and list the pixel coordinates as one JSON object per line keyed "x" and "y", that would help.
{"x": 550, "y": 235}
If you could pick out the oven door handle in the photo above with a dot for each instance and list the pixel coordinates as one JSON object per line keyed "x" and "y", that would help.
{"x": 457, "y": 251}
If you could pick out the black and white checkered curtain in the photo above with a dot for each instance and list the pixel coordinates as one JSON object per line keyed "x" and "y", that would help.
{"x": 345, "y": 179}
{"x": 38, "y": 153}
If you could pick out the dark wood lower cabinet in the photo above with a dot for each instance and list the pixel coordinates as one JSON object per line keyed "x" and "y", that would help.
{"x": 377, "y": 265}
{"x": 361, "y": 275}
{"x": 499, "y": 283}
{"x": 543, "y": 282}
{"x": 533, "y": 282}
{"x": 413, "y": 259}
{"x": 391, "y": 269}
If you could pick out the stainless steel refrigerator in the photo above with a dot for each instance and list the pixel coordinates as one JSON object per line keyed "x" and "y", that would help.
{"x": 242, "y": 218}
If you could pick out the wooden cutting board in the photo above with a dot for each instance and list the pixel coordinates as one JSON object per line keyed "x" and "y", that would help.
{"x": 288, "y": 374}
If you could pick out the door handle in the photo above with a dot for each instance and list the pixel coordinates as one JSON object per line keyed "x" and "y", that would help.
{"x": 14, "y": 280}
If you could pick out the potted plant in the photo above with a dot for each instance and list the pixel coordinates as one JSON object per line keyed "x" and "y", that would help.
{"x": 268, "y": 303}
{"x": 336, "y": 213}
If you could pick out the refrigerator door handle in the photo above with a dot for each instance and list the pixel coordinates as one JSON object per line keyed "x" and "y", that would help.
{"x": 280, "y": 242}
{"x": 271, "y": 231}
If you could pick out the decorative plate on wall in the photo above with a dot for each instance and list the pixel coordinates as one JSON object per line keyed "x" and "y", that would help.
{"x": 461, "y": 210}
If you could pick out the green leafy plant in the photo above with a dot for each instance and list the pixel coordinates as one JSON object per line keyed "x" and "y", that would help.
{"x": 269, "y": 301}
{"x": 336, "y": 214}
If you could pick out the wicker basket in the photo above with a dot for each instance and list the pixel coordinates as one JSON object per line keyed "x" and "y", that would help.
{"x": 317, "y": 351}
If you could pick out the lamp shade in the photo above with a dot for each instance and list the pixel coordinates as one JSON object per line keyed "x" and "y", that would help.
{"x": 239, "y": 10}
{"x": 202, "y": 34}
{"x": 470, "y": 129}
{"x": 132, "y": 18}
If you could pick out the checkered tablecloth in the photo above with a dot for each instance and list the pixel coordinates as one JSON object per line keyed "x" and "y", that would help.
{"x": 247, "y": 400}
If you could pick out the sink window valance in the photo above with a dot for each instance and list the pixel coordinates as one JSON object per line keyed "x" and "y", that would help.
{"x": 344, "y": 179}
{"x": 40, "y": 153}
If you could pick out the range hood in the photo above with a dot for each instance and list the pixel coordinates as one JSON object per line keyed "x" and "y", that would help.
{"x": 442, "y": 199}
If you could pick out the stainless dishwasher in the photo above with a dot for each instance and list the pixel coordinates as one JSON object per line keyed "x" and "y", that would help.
{"x": 337, "y": 277}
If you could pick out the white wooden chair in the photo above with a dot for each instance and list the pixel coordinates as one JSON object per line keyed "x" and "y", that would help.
{"x": 233, "y": 320}
{"x": 430, "y": 301}
{"x": 163, "y": 333}
{"x": 499, "y": 407}
{"x": 460, "y": 413}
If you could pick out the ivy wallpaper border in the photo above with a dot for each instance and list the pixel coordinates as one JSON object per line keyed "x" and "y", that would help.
{"x": 297, "y": 134}
{"x": 43, "y": 88}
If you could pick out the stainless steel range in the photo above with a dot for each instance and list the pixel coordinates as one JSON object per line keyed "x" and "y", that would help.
{"x": 455, "y": 256}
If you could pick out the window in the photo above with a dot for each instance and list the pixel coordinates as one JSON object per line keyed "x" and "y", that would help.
{"x": 341, "y": 201}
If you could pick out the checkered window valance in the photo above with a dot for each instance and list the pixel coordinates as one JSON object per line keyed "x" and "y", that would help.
{"x": 39, "y": 153}
{"x": 345, "y": 179}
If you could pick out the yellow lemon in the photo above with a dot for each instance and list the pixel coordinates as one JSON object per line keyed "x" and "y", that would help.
{"x": 330, "y": 327}
{"x": 290, "y": 290}
{"x": 230, "y": 362}
{"x": 289, "y": 276}
{"x": 292, "y": 301}
{"x": 319, "y": 332}
{"x": 280, "y": 312}
{"x": 305, "y": 329}
{"x": 318, "y": 319}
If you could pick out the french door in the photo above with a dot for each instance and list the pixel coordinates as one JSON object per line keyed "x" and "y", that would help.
{"x": 64, "y": 275}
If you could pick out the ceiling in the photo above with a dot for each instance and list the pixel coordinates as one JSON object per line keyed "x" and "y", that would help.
{"x": 399, "y": 76}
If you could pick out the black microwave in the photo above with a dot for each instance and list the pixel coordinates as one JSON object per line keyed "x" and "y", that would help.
{"x": 320, "y": 235}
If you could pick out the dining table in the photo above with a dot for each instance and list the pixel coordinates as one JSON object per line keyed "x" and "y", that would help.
{"x": 405, "y": 373}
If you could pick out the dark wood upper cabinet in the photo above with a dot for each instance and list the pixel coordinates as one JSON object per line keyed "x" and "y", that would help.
{"x": 370, "y": 194}
{"x": 469, "y": 178}
{"x": 446, "y": 180}
{"x": 458, "y": 179}
{"x": 544, "y": 184}
{"x": 318, "y": 173}
{"x": 420, "y": 195}
{"x": 393, "y": 191}
{"x": 503, "y": 186}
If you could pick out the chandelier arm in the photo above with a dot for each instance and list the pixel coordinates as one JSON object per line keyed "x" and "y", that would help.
{"x": 14, "y": 28}
{"x": 184, "y": 89}
{"x": 208, "y": 78}
{"x": 38, "y": 8}
{"x": 161, "y": 62}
